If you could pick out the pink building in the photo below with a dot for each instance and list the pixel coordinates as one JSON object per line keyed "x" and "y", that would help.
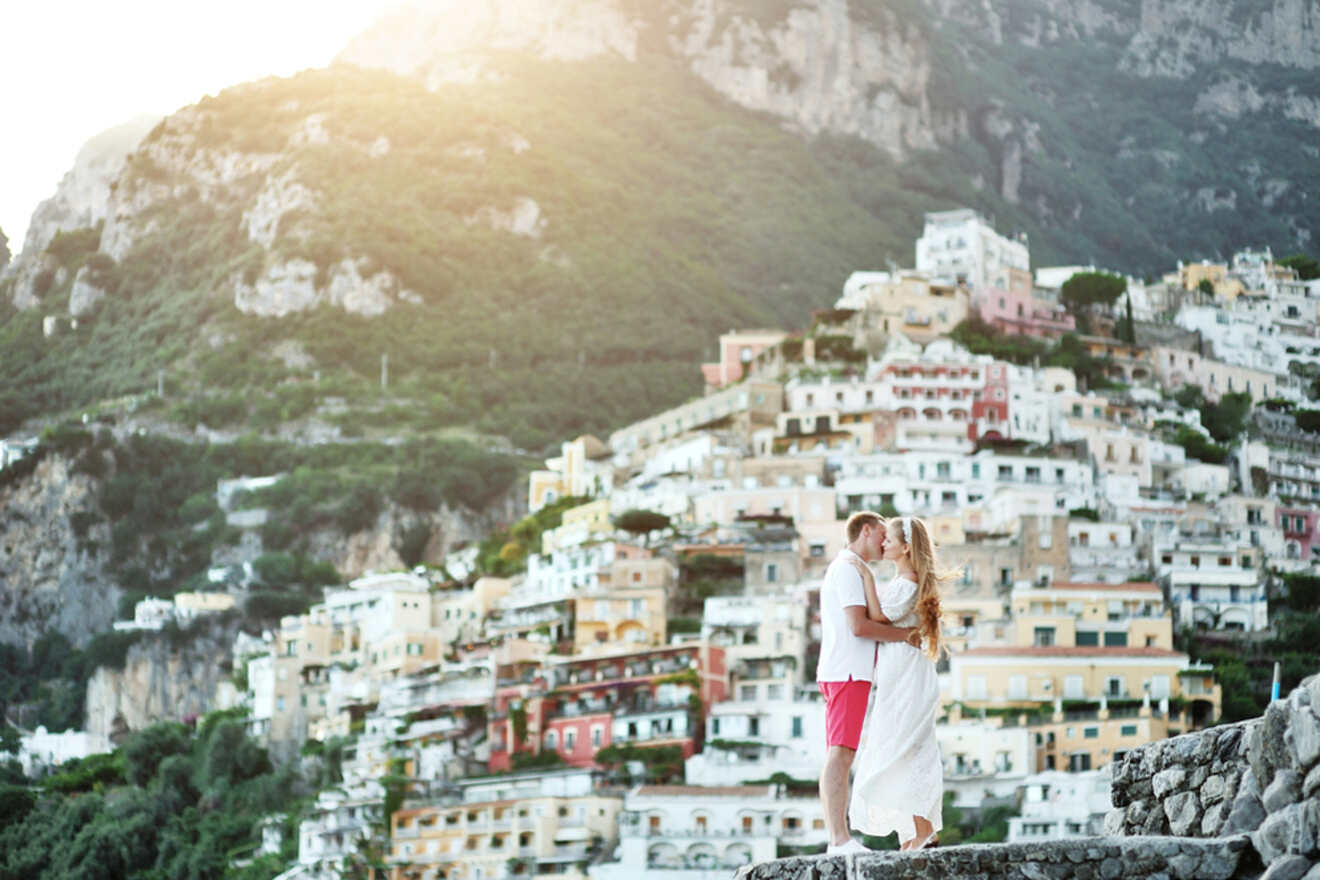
{"x": 737, "y": 349}
{"x": 1016, "y": 312}
{"x": 1301, "y": 532}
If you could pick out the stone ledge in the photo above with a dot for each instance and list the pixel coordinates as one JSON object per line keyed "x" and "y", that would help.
{"x": 1085, "y": 858}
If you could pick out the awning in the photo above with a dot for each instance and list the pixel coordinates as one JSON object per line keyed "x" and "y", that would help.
{"x": 570, "y": 835}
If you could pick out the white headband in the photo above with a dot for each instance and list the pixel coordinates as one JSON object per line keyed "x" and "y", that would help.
{"x": 907, "y": 529}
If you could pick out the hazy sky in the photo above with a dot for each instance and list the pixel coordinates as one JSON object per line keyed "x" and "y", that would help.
{"x": 73, "y": 68}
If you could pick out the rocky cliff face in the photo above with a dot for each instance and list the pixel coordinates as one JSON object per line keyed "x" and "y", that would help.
{"x": 82, "y": 199}
{"x": 162, "y": 681}
{"x": 819, "y": 67}
{"x": 53, "y": 571}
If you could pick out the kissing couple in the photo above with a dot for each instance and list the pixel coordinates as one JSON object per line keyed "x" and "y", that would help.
{"x": 877, "y": 673}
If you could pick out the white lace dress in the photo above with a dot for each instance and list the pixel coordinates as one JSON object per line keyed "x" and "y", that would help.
{"x": 898, "y": 772}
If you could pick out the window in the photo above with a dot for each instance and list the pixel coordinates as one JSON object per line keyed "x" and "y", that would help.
{"x": 570, "y": 739}
{"x": 753, "y": 726}
{"x": 1087, "y": 639}
{"x": 1116, "y": 640}
{"x": 747, "y": 692}
{"x": 596, "y": 736}
{"x": 976, "y": 687}
{"x": 1017, "y": 687}
{"x": 550, "y": 739}
{"x": 1114, "y": 687}
{"x": 1091, "y": 732}
{"x": 1128, "y": 730}
{"x": 1072, "y": 687}
{"x": 797, "y": 727}
{"x": 771, "y": 572}
{"x": 1043, "y": 637}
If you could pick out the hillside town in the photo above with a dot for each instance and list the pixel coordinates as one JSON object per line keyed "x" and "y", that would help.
{"x": 636, "y": 697}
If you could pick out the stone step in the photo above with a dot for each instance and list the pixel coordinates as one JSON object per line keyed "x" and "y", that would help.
{"x": 1084, "y": 858}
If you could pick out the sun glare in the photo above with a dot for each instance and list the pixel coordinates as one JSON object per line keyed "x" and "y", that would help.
{"x": 73, "y": 68}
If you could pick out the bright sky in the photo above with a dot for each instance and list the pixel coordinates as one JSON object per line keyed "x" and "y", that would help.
{"x": 73, "y": 68}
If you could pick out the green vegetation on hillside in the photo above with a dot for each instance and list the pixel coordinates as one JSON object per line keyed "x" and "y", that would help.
{"x": 172, "y": 803}
{"x": 157, "y": 496}
{"x": 670, "y": 216}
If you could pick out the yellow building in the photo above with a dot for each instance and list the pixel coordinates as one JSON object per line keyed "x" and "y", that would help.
{"x": 192, "y": 604}
{"x": 1029, "y": 676}
{"x": 1092, "y": 738}
{"x": 519, "y": 825}
{"x": 912, "y": 304}
{"x": 1190, "y": 276}
{"x": 579, "y": 524}
{"x": 622, "y": 615}
{"x": 582, "y": 468}
{"x": 460, "y": 615}
{"x": 1091, "y": 615}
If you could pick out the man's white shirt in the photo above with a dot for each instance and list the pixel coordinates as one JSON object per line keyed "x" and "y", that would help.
{"x": 842, "y": 654}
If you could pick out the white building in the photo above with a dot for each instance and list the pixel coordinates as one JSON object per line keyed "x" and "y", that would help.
{"x": 1213, "y": 583}
{"x": 340, "y": 820}
{"x": 925, "y": 482}
{"x": 751, "y": 740}
{"x": 962, "y": 246}
{"x": 1058, "y": 805}
{"x": 984, "y": 760}
{"x": 12, "y": 450}
{"x": 41, "y": 750}
{"x": 690, "y": 832}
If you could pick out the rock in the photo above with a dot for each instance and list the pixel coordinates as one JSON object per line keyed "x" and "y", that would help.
{"x": 1312, "y": 685}
{"x": 1167, "y": 781}
{"x": 1249, "y": 783}
{"x": 1256, "y": 753}
{"x": 1287, "y": 868}
{"x": 1294, "y": 829}
{"x": 84, "y": 294}
{"x": 1155, "y": 823}
{"x": 1214, "y": 819}
{"x": 1115, "y": 822}
{"x": 1284, "y": 790}
{"x": 1150, "y": 761}
{"x": 1184, "y": 866}
{"x": 1212, "y": 789}
{"x": 1311, "y": 784}
{"x": 1198, "y": 776}
{"x": 1305, "y": 737}
{"x": 1229, "y": 741}
{"x": 1313, "y": 874}
{"x": 1184, "y": 811}
{"x": 1137, "y": 812}
{"x": 1206, "y": 743}
{"x": 1246, "y": 815}
{"x": 1275, "y": 727}
{"x": 1110, "y": 869}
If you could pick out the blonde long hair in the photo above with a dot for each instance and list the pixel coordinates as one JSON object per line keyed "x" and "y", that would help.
{"x": 914, "y": 535}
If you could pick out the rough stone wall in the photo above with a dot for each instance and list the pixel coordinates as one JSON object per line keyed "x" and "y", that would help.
{"x": 1089, "y": 858}
{"x": 1259, "y": 778}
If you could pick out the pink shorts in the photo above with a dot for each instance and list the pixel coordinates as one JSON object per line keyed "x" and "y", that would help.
{"x": 845, "y": 710}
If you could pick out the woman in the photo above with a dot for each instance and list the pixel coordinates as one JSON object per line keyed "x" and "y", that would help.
{"x": 899, "y": 781}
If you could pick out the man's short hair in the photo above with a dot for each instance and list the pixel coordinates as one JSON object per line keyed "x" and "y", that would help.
{"x": 860, "y": 520}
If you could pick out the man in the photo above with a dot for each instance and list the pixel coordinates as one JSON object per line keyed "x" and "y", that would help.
{"x": 847, "y": 659}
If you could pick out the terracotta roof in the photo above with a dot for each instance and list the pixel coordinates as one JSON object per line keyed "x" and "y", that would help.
{"x": 708, "y": 791}
{"x": 1144, "y": 586}
{"x": 1069, "y": 651}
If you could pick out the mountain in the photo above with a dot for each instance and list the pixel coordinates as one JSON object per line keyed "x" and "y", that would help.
{"x": 544, "y": 213}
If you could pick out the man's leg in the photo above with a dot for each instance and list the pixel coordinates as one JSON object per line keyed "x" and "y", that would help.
{"x": 834, "y": 792}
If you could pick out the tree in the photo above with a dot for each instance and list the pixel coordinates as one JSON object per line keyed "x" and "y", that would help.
{"x": 1086, "y": 289}
{"x": 1307, "y": 267}
{"x": 1308, "y": 420}
{"x": 1206, "y": 286}
{"x": 4, "y": 249}
{"x": 145, "y": 750}
{"x": 1226, "y": 419}
{"x": 641, "y": 522}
